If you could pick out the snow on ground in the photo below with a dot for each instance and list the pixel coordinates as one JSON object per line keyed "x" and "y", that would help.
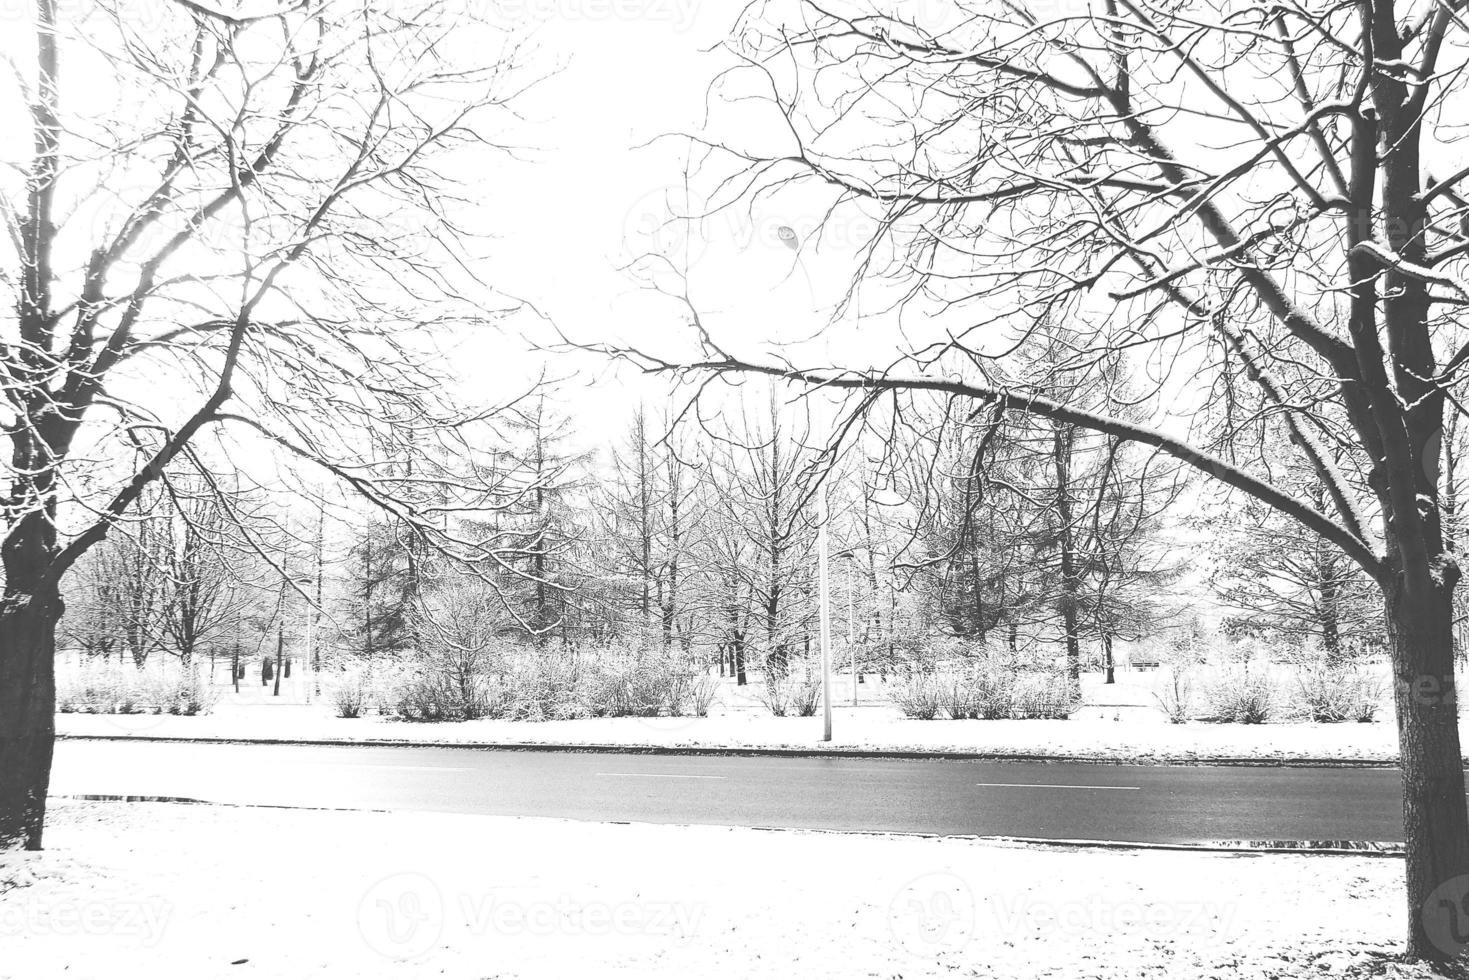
{"x": 1117, "y": 722}
{"x": 166, "y": 890}
{"x": 868, "y": 728}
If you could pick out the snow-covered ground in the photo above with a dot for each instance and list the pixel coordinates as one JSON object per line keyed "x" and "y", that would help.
{"x": 868, "y": 728}
{"x": 164, "y": 891}
{"x": 1116, "y": 722}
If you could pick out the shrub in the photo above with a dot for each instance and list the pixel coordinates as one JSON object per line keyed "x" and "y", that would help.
{"x": 691, "y": 693}
{"x": 774, "y": 695}
{"x": 424, "y": 696}
{"x": 804, "y": 695}
{"x": 985, "y": 693}
{"x": 125, "y": 690}
{"x": 1243, "y": 697}
{"x": 437, "y": 690}
{"x": 188, "y": 696}
{"x": 990, "y": 694}
{"x": 349, "y": 693}
{"x": 546, "y": 685}
{"x": 955, "y": 694}
{"x": 920, "y": 695}
{"x": 1049, "y": 696}
{"x": 789, "y": 693}
{"x": 550, "y": 683}
{"x": 1331, "y": 694}
{"x": 1176, "y": 696}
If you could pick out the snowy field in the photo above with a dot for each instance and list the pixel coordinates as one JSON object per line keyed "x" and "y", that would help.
{"x": 860, "y": 729}
{"x": 1116, "y": 722}
{"x": 169, "y": 891}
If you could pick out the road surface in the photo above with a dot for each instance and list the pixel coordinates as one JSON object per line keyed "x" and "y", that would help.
{"x": 1153, "y": 804}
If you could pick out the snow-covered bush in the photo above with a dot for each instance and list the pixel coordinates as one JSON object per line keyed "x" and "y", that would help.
{"x": 1175, "y": 693}
{"x": 425, "y": 696}
{"x": 186, "y": 695}
{"x": 988, "y": 691}
{"x": 985, "y": 693}
{"x": 547, "y": 683}
{"x": 791, "y": 693}
{"x": 349, "y": 693}
{"x": 804, "y": 695}
{"x": 1043, "y": 696}
{"x": 1243, "y": 696}
{"x": 920, "y": 695}
{"x": 691, "y": 693}
{"x": 1332, "y": 694}
{"x": 124, "y": 689}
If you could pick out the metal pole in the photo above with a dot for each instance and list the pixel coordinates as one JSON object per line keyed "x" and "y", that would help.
{"x": 823, "y": 590}
{"x": 851, "y": 628}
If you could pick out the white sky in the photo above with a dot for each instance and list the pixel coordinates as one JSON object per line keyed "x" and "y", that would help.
{"x": 594, "y": 197}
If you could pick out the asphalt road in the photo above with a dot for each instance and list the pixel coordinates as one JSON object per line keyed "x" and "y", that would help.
{"x": 1154, "y": 804}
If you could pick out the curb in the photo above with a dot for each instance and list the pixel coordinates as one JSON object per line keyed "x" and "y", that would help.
{"x": 797, "y": 752}
{"x": 1390, "y": 849}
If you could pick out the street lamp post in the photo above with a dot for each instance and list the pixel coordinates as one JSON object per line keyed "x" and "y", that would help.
{"x": 850, "y": 555}
{"x": 824, "y": 593}
{"x": 792, "y": 241}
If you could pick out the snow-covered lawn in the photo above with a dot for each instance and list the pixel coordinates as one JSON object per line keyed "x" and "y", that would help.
{"x": 1116, "y": 722}
{"x": 869, "y": 728}
{"x": 164, "y": 891}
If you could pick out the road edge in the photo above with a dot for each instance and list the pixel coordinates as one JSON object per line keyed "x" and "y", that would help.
{"x": 1346, "y": 848}
{"x": 807, "y": 752}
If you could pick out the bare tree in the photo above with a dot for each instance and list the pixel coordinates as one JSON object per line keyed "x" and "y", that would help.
{"x": 762, "y": 488}
{"x": 650, "y": 524}
{"x": 204, "y": 566}
{"x": 133, "y": 564}
{"x": 1250, "y": 194}
{"x": 1282, "y": 580}
{"x": 267, "y": 260}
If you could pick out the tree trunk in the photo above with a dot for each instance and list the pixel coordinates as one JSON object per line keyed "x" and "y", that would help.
{"x": 1062, "y": 447}
{"x": 1111, "y": 663}
{"x": 1330, "y": 619}
{"x": 27, "y": 714}
{"x": 1435, "y": 823}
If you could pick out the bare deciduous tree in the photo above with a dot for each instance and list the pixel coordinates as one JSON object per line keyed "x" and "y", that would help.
{"x": 260, "y": 247}
{"x": 1254, "y": 194}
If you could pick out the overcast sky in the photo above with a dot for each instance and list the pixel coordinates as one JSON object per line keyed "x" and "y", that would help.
{"x": 595, "y": 194}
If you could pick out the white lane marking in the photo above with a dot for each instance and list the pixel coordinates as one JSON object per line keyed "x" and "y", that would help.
{"x": 368, "y": 765}
{"x": 1052, "y": 786}
{"x": 659, "y": 775}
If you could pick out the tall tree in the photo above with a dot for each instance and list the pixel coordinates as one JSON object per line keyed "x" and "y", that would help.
{"x": 1289, "y": 583}
{"x": 238, "y": 275}
{"x": 762, "y": 488}
{"x": 544, "y": 523}
{"x": 650, "y": 525}
{"x": 204, "y": 566}
{"x": 1150, "y": 177}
